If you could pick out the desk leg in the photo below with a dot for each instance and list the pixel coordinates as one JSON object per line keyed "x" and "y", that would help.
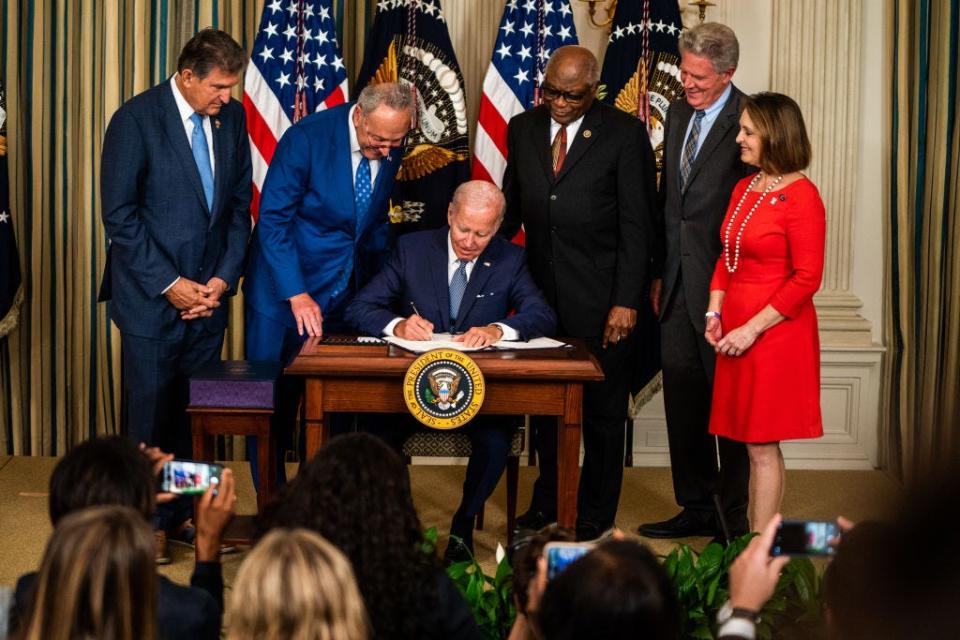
{"x": 318, "y": 430}
{"x": 568, "y": 456}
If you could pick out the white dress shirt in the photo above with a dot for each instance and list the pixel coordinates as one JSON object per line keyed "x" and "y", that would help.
{"x": 453, "y": 263}
{"x": 572, "y": 130}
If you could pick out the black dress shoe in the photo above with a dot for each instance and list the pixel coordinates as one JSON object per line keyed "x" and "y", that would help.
{"x": 534, "y": 520}
{"x": 457, "y": 550}
{"x": 684, "y": 524}
{"x": 590, "y": 531}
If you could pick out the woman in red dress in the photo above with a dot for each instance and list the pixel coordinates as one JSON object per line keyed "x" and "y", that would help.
{"x": 760, "y": 319}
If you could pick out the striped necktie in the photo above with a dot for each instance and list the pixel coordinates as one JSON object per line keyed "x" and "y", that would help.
{"x": 559, "y": 149}
{"x": 690, "y": 148}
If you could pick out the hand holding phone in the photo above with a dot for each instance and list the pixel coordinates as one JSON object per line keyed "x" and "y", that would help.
{"x": 189, "y": 478}
{"x": 560, "y": 555}
{"x": 805, "y": 538}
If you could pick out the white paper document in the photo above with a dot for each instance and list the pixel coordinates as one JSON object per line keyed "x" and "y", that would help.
{"x": 445, "y": 341}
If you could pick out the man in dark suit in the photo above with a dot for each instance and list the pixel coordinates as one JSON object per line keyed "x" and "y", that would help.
{"x": 175, "y": 191}
{"x": 701, "y": 165}
{"x": 580, "y": 178}
{"x": 461, "y": 279}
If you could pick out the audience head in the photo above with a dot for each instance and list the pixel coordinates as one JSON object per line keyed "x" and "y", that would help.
{"x": 97, "y": 579}
{"x": 294, "y": 585}
{"x": 772, "y": 134}
{"x": 474, "y": 215}
{"x": 103, "y": 471}
{"x": 525, "y": 554}
{"x": 209, "y": 66}
{"x": 901, "y": 579}
{"x": 570, "y": 83}
{"x": 618, "y": 590}
{"x": 709, "y": 54}
{"x": 382, "y": 118}
{"x": 356, "y": 493}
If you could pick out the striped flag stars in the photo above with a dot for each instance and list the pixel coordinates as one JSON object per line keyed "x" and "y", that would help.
{"x": 529, "y": 32}
{"x": 295, "y": 69}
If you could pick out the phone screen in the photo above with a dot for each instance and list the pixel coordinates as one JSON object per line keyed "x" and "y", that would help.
{"x": 562, "y": 555}
{"x": 805, "y": 537}
{"x": 185, "y": 477}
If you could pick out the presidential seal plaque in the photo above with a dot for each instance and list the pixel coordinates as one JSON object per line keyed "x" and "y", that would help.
{"x": 444, "y": 389}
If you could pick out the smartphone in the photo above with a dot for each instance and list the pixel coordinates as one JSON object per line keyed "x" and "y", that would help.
{"x": 805, "y": 538}
{"x": 560, "y": 555}
{"x": 189, "y": 478}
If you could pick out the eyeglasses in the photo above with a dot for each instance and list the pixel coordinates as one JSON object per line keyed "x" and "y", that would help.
{"x": 549, "y": 93}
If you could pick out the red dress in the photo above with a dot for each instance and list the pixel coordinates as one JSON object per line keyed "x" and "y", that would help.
{"x": 772, "y": 391}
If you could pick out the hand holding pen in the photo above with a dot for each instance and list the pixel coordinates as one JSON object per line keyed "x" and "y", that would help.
{"x": 415, "y": 327}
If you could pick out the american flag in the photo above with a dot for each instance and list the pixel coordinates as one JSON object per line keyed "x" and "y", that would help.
{"x": 295, "y": 69}
{"x": 529, "y": 32}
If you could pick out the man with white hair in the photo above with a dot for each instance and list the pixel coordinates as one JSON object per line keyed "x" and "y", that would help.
{"x": 462, "y": 279}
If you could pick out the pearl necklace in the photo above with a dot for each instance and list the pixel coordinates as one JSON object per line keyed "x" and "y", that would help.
{"x": 726, "y": 233}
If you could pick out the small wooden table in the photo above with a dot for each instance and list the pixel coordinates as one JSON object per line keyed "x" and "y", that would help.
{"x": 368, "y": 379}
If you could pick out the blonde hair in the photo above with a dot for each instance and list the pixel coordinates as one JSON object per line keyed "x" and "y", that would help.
{"x": 97, "y": 580}
{"x": 295, "y": 585}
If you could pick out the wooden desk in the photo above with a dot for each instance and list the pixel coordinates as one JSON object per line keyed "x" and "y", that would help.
{"x": 541, "y": 382}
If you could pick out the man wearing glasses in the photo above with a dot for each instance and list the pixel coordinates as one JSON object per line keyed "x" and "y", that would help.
{"x": 580, "y": 178}
{"x": 323, "y": 226}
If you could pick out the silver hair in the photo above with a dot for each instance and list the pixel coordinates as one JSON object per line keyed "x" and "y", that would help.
{"x": 716, "y": 42}
{"x": 391, "y": 94}
{"x": 593, "y": 67}
{"x": 480, "y": 194}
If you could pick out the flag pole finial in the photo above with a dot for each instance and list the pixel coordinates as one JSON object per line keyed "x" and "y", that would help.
{"x": 702, "y": 5}
{"x": 610, "y": 7}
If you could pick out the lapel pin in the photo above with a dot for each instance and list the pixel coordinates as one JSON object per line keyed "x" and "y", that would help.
{"x": 783, "y": 198}
{"x": 587, "y": 133}
{"x": 773, "y": 200}
{"x": 486, "y": 264}
{"x": 216, "y": 123}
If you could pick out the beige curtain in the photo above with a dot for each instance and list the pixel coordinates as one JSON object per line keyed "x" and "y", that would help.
{"x": 921, "y": 421}
{"x": 68, "y": 66}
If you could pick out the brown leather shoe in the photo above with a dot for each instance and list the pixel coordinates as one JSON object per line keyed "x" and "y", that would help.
{"x": 163, "y": 549}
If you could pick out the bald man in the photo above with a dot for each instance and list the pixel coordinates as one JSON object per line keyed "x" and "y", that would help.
{"x": 580, "y": 177}
{"x": 415, "y": 296}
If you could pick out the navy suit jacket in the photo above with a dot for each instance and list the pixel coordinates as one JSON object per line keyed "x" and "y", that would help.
{"x": 308, "y": 237}
{"x": 156, "y": 215}
{"x": 417, "y": 273}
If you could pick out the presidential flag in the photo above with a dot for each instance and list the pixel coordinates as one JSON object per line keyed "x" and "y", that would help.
{"x": 11, "y": 291}
{"x": 529, "y": 32}
{"x": 641, "y": 70}
{"x": 409, "y": 43}
{"x": 295, "y": 69}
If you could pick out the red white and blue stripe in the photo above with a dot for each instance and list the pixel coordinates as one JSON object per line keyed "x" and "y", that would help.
{"x": 529, "y": 32}
{"x": 295, "y": 68}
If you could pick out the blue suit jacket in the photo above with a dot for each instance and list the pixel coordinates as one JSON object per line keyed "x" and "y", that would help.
{"x": 308, "y": 237}
{"x": 156, "y": 214}
{"x": 417, "y": 273}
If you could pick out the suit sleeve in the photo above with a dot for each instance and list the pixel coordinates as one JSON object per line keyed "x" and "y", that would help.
{"x": 372, "y": 308}
{"x": 634, "y": 199}
{"x": 658, "y": 249}
{"x": 122, "y": 168}
{"x": 512, "y": 219}
{"x": 533, "y": 317}
{"x": 806, "y": 228}
{"x": 238, "y": 212}
{"x": 283, "y": 189}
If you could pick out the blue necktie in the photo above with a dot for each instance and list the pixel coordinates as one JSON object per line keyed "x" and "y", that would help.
{"x": 458, "y": 284}
{"x": 201, "y": 155}
{"x": 690, "y": 148}
{"x": 361, "y": 188}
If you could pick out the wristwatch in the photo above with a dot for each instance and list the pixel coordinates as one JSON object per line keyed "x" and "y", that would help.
{"x": 711, "y": 314}
{"x": 728, "y": 611}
